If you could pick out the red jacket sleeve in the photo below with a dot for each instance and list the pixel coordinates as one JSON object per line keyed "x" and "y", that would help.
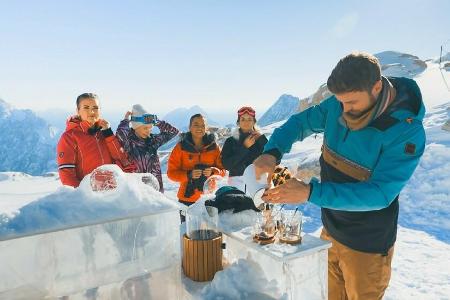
{"x": 66, "y": 158}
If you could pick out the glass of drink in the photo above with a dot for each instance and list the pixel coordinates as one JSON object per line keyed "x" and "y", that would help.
{"x": 290, "y": 228}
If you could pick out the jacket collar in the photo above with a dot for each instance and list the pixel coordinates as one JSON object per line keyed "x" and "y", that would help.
{"x": 408, "y": 97}
{"x": 187, "y": 143}
{"x": 75, "y": 122}
{"x": 239, "y": 135}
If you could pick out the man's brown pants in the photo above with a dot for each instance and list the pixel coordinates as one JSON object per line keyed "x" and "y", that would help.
{"x": 356, "y": 275}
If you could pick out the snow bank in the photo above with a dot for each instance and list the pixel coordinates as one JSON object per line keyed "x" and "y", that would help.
{"x": 69, "y": 207}
{"x": 244, "y": 279}
{"x": 424, "y": 203}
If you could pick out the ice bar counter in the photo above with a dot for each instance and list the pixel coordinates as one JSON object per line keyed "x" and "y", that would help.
{"x": 140, "y": 257}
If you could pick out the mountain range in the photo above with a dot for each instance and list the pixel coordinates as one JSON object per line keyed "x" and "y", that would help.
{"x": 27, "y": 142}
{"x": 28, "y": 139}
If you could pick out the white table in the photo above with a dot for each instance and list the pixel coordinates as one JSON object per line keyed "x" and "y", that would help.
{"x": 300, "y": 270}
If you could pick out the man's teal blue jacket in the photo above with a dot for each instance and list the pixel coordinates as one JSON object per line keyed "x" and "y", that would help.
{"x": 389, "y": 148}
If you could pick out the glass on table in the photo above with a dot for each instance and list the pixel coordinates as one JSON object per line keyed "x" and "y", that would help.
{"x": 265, "y": 227}
{"x": 290, "y": 226}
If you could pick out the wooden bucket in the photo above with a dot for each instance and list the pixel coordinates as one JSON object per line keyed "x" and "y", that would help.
{"x": 202, "y": 258}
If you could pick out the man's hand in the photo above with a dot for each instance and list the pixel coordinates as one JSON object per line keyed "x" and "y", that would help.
{"x": 127, "y": 115}
{"x": 265, "y": 163}
{"x": 103, "y": 124}
{"x": 294, "y": 191}
{"x": 196, "y": 173}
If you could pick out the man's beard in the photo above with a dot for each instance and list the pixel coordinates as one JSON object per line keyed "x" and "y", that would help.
{"x": 357, "y": 114}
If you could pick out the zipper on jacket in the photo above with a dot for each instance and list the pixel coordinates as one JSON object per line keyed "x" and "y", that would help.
{"x": 99, "y": 150}
{"x": 346, "y": 134}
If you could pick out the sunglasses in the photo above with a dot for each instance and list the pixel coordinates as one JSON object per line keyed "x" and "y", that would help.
{"x": 146, "y": 119}
{"x": 246, "y": 110}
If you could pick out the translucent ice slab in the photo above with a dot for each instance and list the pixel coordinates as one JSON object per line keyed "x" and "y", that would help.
{"x": 119, "y": 257}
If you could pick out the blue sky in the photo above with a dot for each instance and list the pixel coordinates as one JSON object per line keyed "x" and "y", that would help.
{"x": 217, "y": 54}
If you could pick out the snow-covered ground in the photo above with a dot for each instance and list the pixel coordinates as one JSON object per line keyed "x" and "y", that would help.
{"x": 18, "y": 189}
{"x": 420, "y": 268}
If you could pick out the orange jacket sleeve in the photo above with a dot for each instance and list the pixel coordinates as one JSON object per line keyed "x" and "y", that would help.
{"x": 174, "y": 169}
{"x": 66, "y": 158}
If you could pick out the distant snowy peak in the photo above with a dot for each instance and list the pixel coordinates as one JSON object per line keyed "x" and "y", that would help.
{"x": 282, "y": 109}
{"x": 400, "y": 64}
{"x": 11, "y": 115}
{"x": 321, "y": 93}
{"x": 180, "y": 117}
{"x": 27, "y": 142}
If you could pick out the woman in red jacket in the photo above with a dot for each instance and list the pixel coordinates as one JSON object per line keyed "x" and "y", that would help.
{"x": 88, "y": 143}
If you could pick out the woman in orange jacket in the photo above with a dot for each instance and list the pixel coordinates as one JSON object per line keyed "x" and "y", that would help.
{"x": 88, "y": 143}
{"x": 195, "y": 158}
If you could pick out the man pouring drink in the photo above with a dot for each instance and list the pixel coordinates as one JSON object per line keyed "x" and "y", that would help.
{"x": 373, "y": 140}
